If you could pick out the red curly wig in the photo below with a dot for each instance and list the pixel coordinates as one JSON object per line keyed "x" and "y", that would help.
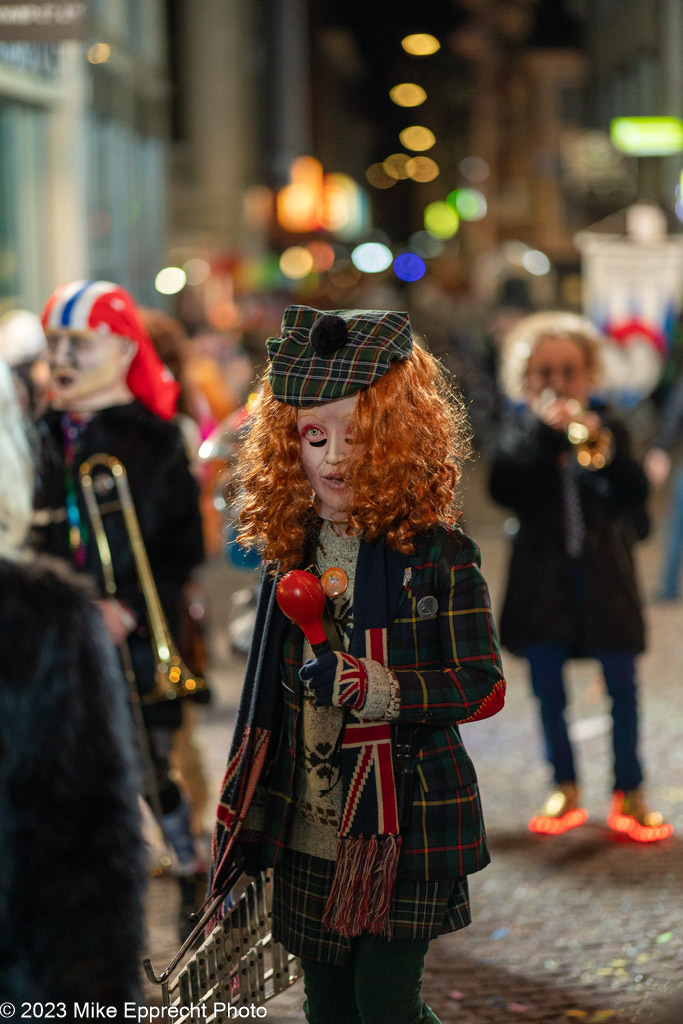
{"x": 410, "y": 434}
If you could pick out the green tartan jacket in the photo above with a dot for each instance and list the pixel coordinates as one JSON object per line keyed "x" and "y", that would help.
{"x": 444, "y": 653}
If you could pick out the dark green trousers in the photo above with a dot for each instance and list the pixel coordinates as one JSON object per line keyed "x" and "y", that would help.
{"x": 380, "y": 985}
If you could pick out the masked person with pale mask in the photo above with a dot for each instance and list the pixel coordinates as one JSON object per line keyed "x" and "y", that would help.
{"x": 113, "y": 395}
{"x": 365, "y": 800}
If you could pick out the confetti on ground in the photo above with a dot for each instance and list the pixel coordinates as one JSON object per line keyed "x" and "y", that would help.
{"x": 664, "y": 937}
{"x": 455, "y": 994}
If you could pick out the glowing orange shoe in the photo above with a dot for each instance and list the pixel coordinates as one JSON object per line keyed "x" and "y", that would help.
{"x": 629, "y": 816}
{"x": 560, "y": 812}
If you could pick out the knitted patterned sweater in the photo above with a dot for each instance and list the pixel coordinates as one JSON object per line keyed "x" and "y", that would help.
{"x": 318, "y": 789}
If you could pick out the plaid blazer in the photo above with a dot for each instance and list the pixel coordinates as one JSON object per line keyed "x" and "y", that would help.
{"x": 444, "y": 652}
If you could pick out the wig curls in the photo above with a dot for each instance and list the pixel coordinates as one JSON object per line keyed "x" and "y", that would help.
{"x": 410, "y": 433}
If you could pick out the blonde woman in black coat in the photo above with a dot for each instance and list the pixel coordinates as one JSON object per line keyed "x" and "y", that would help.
{"x": 563, "y": 464}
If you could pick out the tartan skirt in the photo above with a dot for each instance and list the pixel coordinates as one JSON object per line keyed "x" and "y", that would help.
{"x": 301, "y": 885}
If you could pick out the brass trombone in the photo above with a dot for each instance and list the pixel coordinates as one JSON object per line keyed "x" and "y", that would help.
{"x": 172, "y": 678}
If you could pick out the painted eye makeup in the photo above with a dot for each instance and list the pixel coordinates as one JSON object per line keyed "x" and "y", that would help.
{"x": 314, "y": 436}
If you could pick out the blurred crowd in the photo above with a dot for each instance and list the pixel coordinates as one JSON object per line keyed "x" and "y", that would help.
{"x": 98, "y": 697}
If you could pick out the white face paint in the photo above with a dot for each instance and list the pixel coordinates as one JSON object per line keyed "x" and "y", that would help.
{"x": 88, "y": 370}
{"x": 325, "y": 435}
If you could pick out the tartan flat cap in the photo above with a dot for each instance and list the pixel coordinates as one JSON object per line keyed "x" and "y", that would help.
{"x": 321, "y": 356}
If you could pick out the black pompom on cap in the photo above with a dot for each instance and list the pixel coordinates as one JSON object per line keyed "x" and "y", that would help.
{"x": 328, "y": 334}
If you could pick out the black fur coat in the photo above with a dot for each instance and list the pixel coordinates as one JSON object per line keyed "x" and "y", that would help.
{"x": 72, "y": 868}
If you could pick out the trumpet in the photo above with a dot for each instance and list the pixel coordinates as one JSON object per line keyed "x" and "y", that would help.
{"x": 172, "y": 677}
{"x": 593, "y": 448}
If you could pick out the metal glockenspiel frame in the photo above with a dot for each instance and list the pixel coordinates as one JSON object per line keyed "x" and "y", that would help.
{"x": 238, "y": 964}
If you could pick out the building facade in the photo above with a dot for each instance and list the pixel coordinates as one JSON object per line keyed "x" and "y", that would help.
{"x": 83, "y": 147}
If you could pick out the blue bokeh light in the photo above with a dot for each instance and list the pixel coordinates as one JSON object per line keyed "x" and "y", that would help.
{"x": 409, "y": 266}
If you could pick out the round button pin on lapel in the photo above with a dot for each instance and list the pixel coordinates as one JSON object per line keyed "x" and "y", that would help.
{"x": 334, "y": 581}
{"x": 427, "y": 607}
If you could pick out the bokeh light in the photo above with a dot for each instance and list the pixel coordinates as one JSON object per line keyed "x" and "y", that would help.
{"x": 514, "y": 252}
{"x": 341, "y": 205}
{"x": 295, "y": 205}
{"x": 408, "y": 94}
{"x": 468, "y": 203}
{"x": 371, "y": 257}
{"x": 474, "y": 168}
{"x": 420, "y": 44}
{"x": 422, "y": 168}
{"x": 257, "y": 203}
{"x": 170, "y": 280}
{"x": 395, "y": 165}
{"x": 296, "y": 262}
{"x": 536, "y": 262}
{"x": 408, "y": 266}
{"x": 323, "y": 255}
{"x": 196, "y": 270}
{"x": 417, "y": 137}
{"x": 440, "y": 220}
{"x": 343, "y": 274}
{"x": 378, "y": 177}
{"x": 647, "y": 136}
{"x": 425, "y": 245}
{"x": 99, "y": 53}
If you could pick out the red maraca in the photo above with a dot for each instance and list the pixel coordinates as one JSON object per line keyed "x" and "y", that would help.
{"x": 302, "y": 599}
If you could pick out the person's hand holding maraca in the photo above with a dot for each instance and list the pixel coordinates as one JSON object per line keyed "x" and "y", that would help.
{"x": 335, "y": 678}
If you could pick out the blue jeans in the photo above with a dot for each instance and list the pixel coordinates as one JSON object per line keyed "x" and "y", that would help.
{"x": 671, "y": 568}
{"x": 546, "y": 663}
{"x": 380, "y": 985}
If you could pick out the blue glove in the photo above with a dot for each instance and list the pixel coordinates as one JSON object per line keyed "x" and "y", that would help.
{"x": 336, "y": 679}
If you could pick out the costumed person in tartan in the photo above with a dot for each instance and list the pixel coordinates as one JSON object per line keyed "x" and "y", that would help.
{"x": 563, "y": 464}
{"x": 347, "y": 772}
{"x": 113, "y": 395}
{"x": 71, "y": 846}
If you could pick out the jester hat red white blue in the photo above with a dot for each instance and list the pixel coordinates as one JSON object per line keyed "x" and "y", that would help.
{"x": 106, "y": 308}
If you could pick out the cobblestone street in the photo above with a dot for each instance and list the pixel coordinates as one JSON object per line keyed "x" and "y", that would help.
{"x": 580, "y": 927}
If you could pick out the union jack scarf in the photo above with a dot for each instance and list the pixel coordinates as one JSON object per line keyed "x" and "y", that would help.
{"x": 369, "y": 844}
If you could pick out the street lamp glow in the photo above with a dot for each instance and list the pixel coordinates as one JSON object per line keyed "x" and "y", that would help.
{"x": 417, "y": 137}
{"x": 170, "y": 280}
{"x": 422, "y": 168}
{"x": 395, "y": 165}
{"x": 420, "y": 44}
{"x": 408, "y": 94}
{"x": 378, "y": 177}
